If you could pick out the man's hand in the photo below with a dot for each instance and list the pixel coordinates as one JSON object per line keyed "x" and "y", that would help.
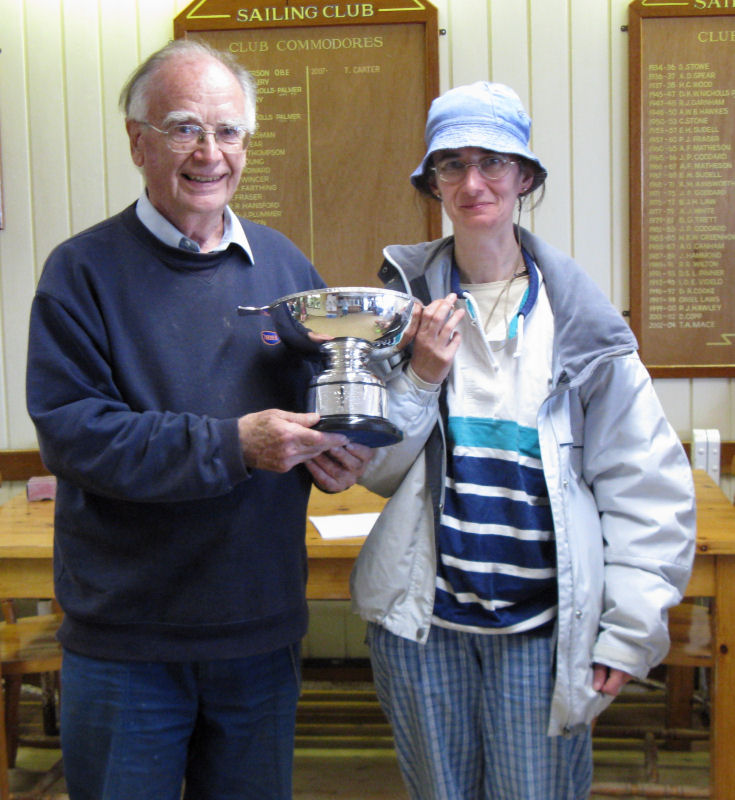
{"x": 279, "y": 440}
{"x": 609, "y": 681}
{"x": 339, "y": 468}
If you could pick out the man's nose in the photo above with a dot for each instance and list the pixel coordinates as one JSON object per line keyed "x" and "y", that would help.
{"x": 207, "y": 145}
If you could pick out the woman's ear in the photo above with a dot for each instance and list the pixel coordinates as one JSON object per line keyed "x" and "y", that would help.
{"x": 527, "y": 180}
{"x": 433, "y": 188}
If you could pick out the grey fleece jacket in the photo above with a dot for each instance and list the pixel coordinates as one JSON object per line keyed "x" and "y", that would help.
{"x": 619, "y": 484}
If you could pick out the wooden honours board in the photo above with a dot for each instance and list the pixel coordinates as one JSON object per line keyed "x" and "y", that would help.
{"x": 682, "y": 167}
{"x": 343, "y": 92}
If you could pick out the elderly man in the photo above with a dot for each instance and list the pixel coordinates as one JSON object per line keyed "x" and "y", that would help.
{"x": 184, "y": 461}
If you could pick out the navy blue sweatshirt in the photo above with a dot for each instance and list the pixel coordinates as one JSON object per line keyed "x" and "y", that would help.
{"x": 166, "y": 546}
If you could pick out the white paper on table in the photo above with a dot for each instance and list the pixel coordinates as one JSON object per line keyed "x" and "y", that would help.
{"x": 343, "y": 526}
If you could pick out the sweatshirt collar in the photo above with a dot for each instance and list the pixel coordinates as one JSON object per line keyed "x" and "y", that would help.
{"x": 169, "y": 234}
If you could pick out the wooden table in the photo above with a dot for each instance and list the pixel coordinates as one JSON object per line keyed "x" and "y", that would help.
{"x": 26, "y": 543}
{"x": 26, "y": 548}
{"x": 713, "y": 576}
{"x": 331, "y": 560}
{"x": 27, "y": 531}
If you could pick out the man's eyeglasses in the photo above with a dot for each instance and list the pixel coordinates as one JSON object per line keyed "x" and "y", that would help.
{"x": 185, "y": 137}
{"x": 491, "y": 167}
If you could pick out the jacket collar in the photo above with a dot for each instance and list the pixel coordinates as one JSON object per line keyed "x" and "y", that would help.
{"x": 587, "y": 327}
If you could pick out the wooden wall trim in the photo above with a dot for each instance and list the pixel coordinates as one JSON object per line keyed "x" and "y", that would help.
{"x": 727, "y": 454}
{"x": 19, "y": 465}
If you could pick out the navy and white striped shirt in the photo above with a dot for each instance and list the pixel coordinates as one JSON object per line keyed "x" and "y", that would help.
{"x": 496, "y": 570}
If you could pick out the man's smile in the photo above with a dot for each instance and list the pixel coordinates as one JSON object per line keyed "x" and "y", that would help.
{"x": 203, "y": 178}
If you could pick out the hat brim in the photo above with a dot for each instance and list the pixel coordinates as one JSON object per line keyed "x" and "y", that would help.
{"x": 486, "y": 137}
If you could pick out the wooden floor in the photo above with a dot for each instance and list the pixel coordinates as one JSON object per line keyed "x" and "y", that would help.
{"x": 631, "y": 751}
{"x": 344, "y": 749}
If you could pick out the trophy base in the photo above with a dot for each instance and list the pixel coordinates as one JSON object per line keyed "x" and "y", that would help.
{"x": 370, "y": 431}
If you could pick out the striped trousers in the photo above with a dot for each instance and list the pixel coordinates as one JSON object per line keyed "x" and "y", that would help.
{"x": 469, "y": 714}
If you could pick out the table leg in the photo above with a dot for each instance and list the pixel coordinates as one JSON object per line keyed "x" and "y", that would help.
{"x": 722, "y": 765}
{"x": 679, "y": 693}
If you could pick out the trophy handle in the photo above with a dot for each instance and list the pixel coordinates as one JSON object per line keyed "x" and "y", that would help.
{"x": 244, "y": 311}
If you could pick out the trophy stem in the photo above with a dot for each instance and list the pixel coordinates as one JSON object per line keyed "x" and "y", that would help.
{"x": 347, "y": 355}
{"x": 350, "y": 397}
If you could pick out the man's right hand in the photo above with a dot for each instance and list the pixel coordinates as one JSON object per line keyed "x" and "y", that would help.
{"x": 279, "y": 440}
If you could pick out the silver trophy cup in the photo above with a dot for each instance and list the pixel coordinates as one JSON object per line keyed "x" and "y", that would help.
{"x": 351, "y": 328}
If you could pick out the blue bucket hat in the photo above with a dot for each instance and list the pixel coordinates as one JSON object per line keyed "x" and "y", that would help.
{"x": 482, "y": 114}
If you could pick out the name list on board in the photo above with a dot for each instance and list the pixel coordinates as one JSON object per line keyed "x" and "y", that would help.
{"x": 689, "y": 185}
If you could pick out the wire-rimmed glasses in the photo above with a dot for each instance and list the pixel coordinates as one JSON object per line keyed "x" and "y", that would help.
{"x": 492, "y": 167}
{"x": 185, "y": 137}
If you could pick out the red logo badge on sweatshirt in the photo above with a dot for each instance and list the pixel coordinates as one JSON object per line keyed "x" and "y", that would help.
{"x": 270, "y": 338}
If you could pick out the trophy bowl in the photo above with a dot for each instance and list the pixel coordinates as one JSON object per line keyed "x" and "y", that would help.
{"x": 351, "y": 329}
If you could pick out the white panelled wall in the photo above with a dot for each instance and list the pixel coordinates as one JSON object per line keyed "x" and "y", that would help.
{"x": 65, "y": 161}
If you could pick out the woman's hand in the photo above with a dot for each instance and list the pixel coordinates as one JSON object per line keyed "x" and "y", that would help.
{"x": 608, "y": 680}
{"x": 437, "y": 339}
{"x": 339, "y": 468}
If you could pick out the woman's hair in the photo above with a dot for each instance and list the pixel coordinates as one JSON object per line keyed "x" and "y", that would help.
{"x": 135, "y": 95}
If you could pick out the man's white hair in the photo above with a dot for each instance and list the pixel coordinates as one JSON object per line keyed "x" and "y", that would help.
{"x": 135, "y": 94}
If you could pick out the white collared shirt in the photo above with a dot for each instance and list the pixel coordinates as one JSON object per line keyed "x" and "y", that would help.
{"x": 169, "y": 234}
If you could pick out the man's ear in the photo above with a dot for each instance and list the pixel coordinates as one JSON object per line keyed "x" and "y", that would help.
{"x": 135, "y": 133}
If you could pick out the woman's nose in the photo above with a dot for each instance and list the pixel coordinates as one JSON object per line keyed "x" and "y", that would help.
{"x": 473, "y": 177}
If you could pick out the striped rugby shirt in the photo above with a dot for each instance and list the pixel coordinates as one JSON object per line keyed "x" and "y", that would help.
{"x": 496, "y": 566}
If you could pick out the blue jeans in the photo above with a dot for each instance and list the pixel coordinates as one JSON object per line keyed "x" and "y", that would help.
{"x": 134, "y": 730}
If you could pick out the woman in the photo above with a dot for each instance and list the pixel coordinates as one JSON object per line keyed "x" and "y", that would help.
{"x": 541, "y": 518}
